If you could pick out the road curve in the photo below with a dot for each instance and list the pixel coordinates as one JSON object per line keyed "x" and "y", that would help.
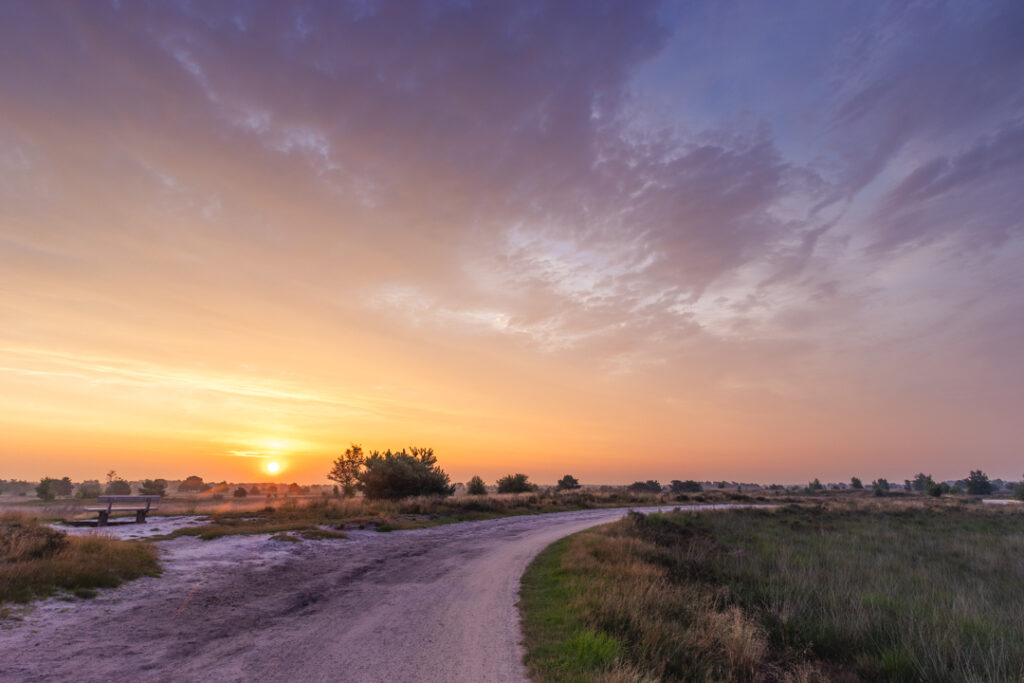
{"x": 435, "y": 604}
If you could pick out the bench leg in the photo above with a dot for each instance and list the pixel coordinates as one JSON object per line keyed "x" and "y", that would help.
{"x": 102, "y": 521}
{"x": 140, "y": 516}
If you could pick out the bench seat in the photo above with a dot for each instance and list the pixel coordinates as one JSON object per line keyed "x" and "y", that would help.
{"x": 141, "y": 505}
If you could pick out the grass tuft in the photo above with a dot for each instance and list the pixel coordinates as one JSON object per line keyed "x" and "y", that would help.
{"x": 38, "y": 561}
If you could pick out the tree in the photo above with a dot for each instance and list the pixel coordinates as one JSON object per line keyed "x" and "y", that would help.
{"x": 400, "y": 475}
{"x": 855, "y": 483}
{"x": 688, "y": 486}
{"x": 649, "y": 486}
{"x": 515, "y": 483}
{"x": 978, "y": 483}
{"x": 193, "y": 484}
{"x": 153, "y": 487}
{"x": 346, "y": 469}
{"x": 476, "y": 487}
{"x": 815, "y": 485}
{"x": 880, "y": 486}
{"x": 240, "y": 492}
{"x": 47, "y": 489}
{"x": 567, "y": 483}
{"x": 1018, "y": 491}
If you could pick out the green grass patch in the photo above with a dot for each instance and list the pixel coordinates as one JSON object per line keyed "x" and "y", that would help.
{"x": 559, "y": 644}
{"x": 896, "y": 592}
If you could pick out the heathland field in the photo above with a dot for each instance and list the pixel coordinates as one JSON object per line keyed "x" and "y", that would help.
{"x": 854, "y": 591}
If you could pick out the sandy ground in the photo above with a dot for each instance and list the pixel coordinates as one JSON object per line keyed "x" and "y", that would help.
{"x": 428, "y": 605}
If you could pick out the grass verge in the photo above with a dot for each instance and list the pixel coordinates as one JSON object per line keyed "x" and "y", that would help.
{"x": 853, "y": 592}
{"x": 37, "y": 561}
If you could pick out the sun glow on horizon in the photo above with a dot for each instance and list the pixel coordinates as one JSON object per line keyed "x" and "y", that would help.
{"x": 273, "y": 467}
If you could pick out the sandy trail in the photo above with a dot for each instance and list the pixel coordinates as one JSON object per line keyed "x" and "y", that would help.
{"x": 435, "y": 604}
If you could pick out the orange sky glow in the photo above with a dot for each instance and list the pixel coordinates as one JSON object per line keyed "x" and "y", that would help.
{"x": 257, "y": 236}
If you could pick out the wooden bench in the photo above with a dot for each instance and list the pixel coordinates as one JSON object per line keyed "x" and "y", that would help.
{"x": 140, "y": 505}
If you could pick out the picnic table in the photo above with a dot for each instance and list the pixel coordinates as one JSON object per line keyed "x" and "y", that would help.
{"x": 140, "y": 505}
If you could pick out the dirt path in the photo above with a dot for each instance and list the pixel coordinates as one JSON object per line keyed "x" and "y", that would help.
{"x": 430, "y": 605}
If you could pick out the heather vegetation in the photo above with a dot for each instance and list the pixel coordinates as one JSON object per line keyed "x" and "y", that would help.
{"x": 916, "y": 590}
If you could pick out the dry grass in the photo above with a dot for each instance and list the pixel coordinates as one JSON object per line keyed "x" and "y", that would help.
{"x": 410, "y": 513}
{"x": 401, "y": 514}
{"x": 856, "y": 590}
{"x": 36, "y": 560}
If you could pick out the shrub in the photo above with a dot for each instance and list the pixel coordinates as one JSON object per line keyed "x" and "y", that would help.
{"x": 515, "y": 483}
{"x": 46, "y": 490}
{"x": 476, "y": 487}
{"x": 567, "y": 483}
{"x": 1018, "y": 491}
{"x": 240, "y": 492}
{"x": 880, "y": 486}
{"x": 649, "y": 486}
{"x": 688, "y": 486}
{"x": 193, "y": 484}
{"x": 401, "y": 475}
{"x": 855, "y": 483}
{"x": 49, "y": 488}
{"x": 89, "y": 489}
{"x": 118, "y": 487}
{"x": 153, "y": 487}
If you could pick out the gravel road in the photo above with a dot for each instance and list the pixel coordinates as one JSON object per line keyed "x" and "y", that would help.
{"x": 435, "y": 604}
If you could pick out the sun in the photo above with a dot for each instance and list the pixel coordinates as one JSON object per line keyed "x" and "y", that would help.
{"x": 273, "y": 467}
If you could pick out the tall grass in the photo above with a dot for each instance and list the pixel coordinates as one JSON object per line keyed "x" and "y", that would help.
{"x": 36, "y": 560}
{"x": 906, "y": 592}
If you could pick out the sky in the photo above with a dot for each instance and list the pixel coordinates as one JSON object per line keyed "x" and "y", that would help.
{"x": 625, "y": 240}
